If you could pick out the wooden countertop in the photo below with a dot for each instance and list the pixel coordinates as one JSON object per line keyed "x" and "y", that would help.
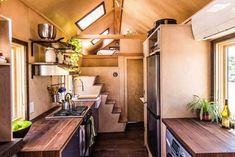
{"x": 51, "y": 135}
{"x": 8, "y": 149}
{"x": 202, "y": 139}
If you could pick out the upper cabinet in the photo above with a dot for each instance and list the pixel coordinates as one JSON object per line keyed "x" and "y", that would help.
{"x": 5, "y": 80}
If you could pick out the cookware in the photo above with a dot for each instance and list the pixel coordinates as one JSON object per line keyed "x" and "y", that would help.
{"x": 46, "y": 31}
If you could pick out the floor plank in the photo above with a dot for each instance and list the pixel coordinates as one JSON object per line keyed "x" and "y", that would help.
{"x": 127, "y": 144}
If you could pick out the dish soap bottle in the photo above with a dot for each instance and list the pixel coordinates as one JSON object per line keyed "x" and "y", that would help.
{"x": 225, "y": 115}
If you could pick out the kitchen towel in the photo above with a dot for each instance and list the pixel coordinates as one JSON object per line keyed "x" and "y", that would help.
{"x": 93, "y": 133}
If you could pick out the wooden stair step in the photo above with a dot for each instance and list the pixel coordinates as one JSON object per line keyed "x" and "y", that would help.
{"x": 117, "y": 110}
{"x": 99, "y": 84}
{"x": 123, "y": 120}
{"x": 105, "y": 93}
{"x": 110, "y": 101}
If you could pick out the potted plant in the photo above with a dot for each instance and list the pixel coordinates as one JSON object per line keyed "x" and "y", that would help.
{"x": 76, "y": 46}
{"x": 204, "y": 109}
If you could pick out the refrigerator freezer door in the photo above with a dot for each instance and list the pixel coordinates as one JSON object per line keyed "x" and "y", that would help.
{"x": 153, "y": 84}
{"x": 154, "y": 140}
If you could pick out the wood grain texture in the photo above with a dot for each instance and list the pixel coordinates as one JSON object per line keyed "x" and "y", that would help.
{"x": 202, "y": 139}
{"x": 139, "y": 16}
{"x": 135, "y": 109}
{"x": 127, "y": 144}
{"x": 5, "y": 83}
{"x": 49, "y": 137}
{"x": 8, "y": 149}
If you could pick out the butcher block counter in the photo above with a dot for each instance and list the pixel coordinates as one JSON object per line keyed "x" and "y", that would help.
{"x": 202, "y": 139}
{"x": 48, "y": 137}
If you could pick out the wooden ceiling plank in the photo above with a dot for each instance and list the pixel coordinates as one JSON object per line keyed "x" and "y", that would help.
{"x": 45, "y": 17}
{"x": 112, "y": 36}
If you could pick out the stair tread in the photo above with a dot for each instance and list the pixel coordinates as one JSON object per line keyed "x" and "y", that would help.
{"x": 99, "y": 84}
{"x": 105, "y": 93}
{"x": 111, "y": 101}
{"x": 123, "y": 120}
{"x": 117, "y": 109}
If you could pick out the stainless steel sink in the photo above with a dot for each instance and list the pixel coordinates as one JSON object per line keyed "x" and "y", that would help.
{"x": 77, "y": 112}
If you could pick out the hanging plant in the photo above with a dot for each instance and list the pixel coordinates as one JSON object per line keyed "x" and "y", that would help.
{"x": 76, "y": 46}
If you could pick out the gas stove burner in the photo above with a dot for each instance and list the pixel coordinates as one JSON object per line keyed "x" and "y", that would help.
{"x": 78, "y": 111}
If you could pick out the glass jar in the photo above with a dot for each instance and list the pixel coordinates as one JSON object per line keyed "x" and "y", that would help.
{"x": 50, "y": 55}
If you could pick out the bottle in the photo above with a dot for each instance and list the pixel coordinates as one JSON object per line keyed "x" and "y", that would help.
{"x": 225, "y": 115}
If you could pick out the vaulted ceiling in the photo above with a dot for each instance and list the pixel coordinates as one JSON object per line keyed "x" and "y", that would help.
{"x": 137, "y": 16}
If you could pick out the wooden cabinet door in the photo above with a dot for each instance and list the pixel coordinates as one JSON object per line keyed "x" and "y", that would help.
{"x": 72, "y": 148}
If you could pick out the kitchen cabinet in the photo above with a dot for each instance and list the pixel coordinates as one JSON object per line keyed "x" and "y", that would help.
{"x": 72, "y": 147}
{"x": 54, "y": 137}
{"x": 184, "y": 71}
{"x": 200, "y": 138}
{"x": 5, "y": 81}
{"x": 95, "y": 114}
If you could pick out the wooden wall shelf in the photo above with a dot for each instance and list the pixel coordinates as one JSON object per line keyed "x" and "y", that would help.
{"x": 56, "y": 44}
{"x": 5, "y": 64}
{"x": 5, "y": 81}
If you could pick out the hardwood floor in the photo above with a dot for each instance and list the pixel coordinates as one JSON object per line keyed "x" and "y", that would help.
{"x": 127, "y": 144}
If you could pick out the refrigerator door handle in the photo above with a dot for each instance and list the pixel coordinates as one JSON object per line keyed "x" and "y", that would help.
{"x": 154, "y": 115}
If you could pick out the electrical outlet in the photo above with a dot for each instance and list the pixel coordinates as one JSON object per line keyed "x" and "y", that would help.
{"x": 31, "y": 107}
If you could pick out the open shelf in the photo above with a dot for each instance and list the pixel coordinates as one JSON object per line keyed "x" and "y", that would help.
{"x": 56, "y": 44}
{"x": 5, "y": 64}
{"x": 39, "y": 67}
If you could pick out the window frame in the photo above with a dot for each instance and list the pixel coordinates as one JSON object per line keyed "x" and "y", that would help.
{"x": 92, "y": 41}
{"x": 76, "y": 23}
{"x": 25, "y": 44}
{"x": 219, "y": 68}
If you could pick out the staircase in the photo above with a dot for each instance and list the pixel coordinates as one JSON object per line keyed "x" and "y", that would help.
{"x": 109, "y": 112}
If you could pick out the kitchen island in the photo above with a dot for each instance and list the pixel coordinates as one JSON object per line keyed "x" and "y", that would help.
{"x": 202, "y": 139}
{"x": 49, "y": 137}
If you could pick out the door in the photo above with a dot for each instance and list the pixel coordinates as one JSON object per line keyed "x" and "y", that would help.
{"x": 153, "y": 129}
{"x": 153, "y": 84}
{"x": 135, "y": 90}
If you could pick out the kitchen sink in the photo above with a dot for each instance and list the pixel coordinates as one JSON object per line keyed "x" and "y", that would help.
{"x": 84, "y": 98}
{"x": 77, "y": 112}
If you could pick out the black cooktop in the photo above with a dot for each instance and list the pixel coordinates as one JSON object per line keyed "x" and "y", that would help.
{"x": 77, "y": 111}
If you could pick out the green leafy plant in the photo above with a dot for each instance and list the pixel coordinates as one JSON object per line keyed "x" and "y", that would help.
{"x": 76, "y": 46}
{"x": 205, "y": 110}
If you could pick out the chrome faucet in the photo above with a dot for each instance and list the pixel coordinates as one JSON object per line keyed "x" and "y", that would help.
{"x": 82, "y": 84}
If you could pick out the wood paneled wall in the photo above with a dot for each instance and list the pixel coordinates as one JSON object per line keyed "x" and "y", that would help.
{"x": 24, "y": 29}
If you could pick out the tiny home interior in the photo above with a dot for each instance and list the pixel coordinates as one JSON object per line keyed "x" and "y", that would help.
{"x": 117, "y": 78}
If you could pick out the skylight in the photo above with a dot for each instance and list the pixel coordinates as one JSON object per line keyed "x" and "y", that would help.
{"x": 91, "y": 17}
{"x": 94, "y": 41}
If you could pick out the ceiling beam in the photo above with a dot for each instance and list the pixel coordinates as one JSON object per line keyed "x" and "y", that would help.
{"x": 118, "y": 5}
{"x": 112, "y": 36}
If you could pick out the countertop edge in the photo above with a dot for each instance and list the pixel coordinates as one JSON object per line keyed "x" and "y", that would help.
{"x": 64, "y": 144}
{"x": 11, "y": 148}
{"x": 164, "y": 120}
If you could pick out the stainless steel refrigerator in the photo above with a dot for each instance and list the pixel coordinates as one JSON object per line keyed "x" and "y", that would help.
{"x": 153, "y": 107}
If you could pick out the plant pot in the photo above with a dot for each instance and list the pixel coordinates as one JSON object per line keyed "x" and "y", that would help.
{"x": 206, "y": 116}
